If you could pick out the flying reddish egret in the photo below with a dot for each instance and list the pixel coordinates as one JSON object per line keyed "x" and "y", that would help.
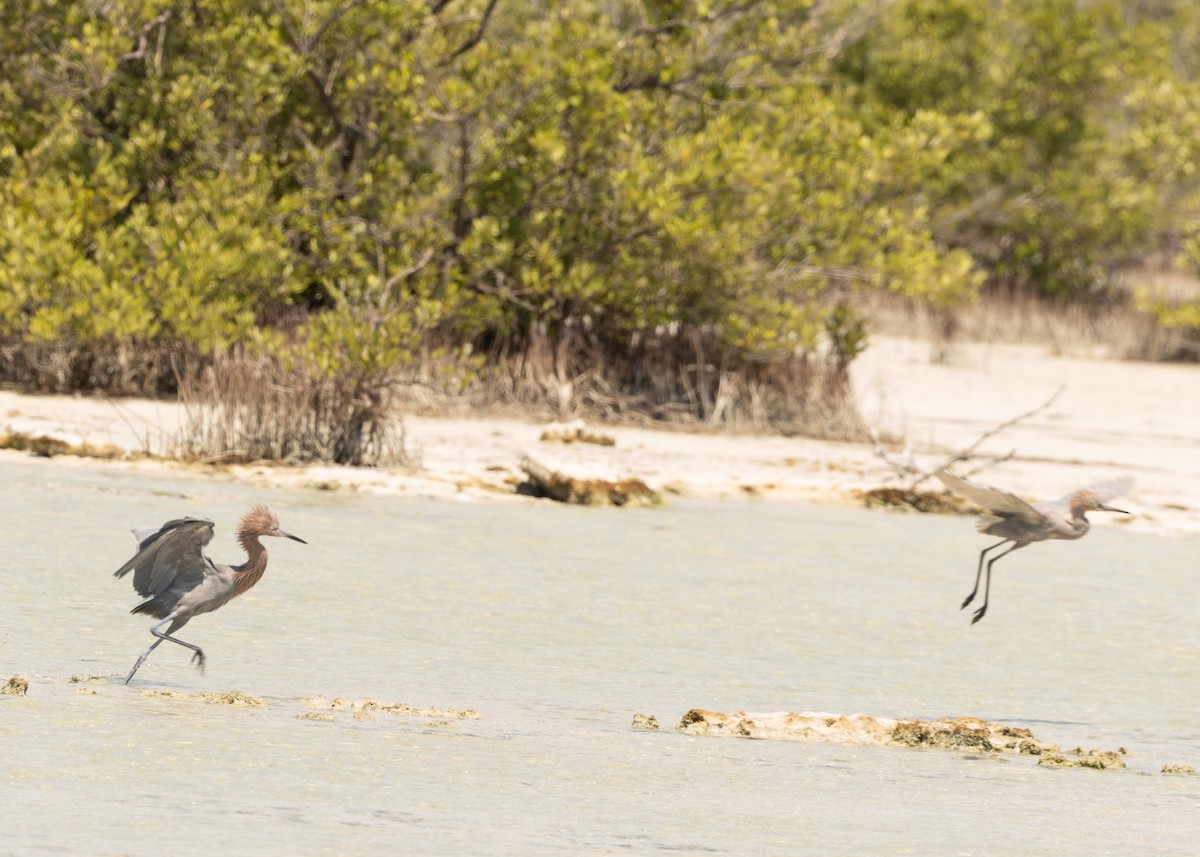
{"x": 178, "y": 581}
{"x": 1022, "y": 524}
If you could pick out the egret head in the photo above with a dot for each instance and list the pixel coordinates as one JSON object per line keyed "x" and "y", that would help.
{"x": 1095, "y": 498}
{"x": 261, "y": 521}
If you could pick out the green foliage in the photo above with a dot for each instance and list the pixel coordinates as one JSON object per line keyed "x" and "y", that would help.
{"x": 358, "y": 188}
{"x": 1074, "y": 163}
{"x": 1176, "y": 314}
{"x": 1170, "y": 314}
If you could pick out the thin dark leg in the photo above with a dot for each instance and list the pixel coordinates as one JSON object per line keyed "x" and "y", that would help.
{"x": 979, "y": 572}
{"x": 140, "y": 660}
{"x": 987, "y": 586}
{"x": 154, "y": 630}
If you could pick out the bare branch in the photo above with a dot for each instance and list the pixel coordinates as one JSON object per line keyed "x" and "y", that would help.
{"x": 966, "y": 453}
{"x": 650, "y": 81}
{"x": 333, "y": 19}
{"x": 302, "y": 46}
{"x": 906, "y": 467}
{"x": 854, "y": 28}
{"x": 410, "y": 270}
{"x": 991, "y": 462}
{"x": 729, "y": 11}
{"x": 476, "y": 37}
{"x": 143, "y": 42}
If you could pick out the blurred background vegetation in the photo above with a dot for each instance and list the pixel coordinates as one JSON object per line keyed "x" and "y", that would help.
{"x": 660, "y": 209}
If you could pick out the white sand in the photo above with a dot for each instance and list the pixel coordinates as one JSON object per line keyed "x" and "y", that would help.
{"x": 1111, "y": 419}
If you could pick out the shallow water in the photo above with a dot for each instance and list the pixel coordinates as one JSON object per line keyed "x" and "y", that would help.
{"x": 556, "y": 625}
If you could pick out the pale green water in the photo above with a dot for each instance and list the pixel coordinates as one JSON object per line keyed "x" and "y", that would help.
{"x": 557, "y": 624}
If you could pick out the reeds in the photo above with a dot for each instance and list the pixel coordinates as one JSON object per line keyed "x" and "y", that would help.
{"x": 679, "y": 376}
{"x": 242, "y": 408}
{"x": 65, "y": 366}
{"x": 1113, "y": 329}
{"x": 245, "y": 408}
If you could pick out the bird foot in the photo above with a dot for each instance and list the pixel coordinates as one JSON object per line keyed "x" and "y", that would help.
{"x": 970, "y": 598}
{"x": 198, "y": 660}
{"x": 978, "y": 613}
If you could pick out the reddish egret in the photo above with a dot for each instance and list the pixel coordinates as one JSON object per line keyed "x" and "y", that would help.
{"x": 178, "y": 581}
{"x": 1021, "y": 523}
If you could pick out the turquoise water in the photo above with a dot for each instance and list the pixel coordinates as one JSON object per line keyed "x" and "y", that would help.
{"x": 556, "y": 625}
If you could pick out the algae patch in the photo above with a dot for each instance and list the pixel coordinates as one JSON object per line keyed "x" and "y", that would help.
{"x": 16, "y": 686}
{"x": 645, "y": 722}
{"x": 1100, "y": 760}
{"x": 48, "y": 447}
{"x": 906, "y": 499}
{"x": 957, "y": 733}
{"x": 365, "y": 709}
{"x": 967, "y": 733}
{"x": 232, "y": 697}
{"x": 960, "y": 733}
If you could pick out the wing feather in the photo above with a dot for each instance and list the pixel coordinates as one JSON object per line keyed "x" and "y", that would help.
{"x": 175, "y": 551}
{"x": 1101, "y": 492}
{"x": 143, "y": 534}
{"x": 1001, "y": 504}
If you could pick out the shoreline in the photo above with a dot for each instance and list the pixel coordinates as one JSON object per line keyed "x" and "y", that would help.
{"x": 1111, "y": 419}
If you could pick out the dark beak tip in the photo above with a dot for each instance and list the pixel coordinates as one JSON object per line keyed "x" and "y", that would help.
{"x": 297, "y": 538}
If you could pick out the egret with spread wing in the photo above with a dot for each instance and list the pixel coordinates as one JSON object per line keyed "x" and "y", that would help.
{"x": 1022, "y": 523}
{"x": 178, "y": 581}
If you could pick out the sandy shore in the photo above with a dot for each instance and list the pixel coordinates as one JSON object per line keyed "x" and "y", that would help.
{"x": 1111, "y": 419}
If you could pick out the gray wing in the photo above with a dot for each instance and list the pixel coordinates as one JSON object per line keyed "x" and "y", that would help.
{"x": 1001, "y": 504}
{"x": 1060, "y": 510}
{"x": 175, "y": 551}
{"x": 1101, "y": 492}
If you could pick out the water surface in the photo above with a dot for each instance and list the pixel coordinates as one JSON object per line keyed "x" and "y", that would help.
{"x": 556, "y": 624}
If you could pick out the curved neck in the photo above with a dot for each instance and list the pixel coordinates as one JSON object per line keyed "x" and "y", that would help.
{"x": 252, "y": 569}
{"x": 1079, "y": 523}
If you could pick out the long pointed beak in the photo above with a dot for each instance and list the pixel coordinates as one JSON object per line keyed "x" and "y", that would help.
{"x": 290, "y": 536}
{"x": 1112, "y": 509}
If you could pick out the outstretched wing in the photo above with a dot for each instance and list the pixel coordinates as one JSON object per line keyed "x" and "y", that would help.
{"x": 175, "y": 551}
{"x": 1000, "y": 504}
{"x": 1101, "y": 492}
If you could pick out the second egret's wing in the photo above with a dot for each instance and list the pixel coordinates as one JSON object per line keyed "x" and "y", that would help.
{"x": 1101, "y": 492}
{"x": 1001, "y": 504}
{"x": 175, "y": 551}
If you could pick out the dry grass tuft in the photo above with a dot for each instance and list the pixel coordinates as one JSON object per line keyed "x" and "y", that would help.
{"x": 675, "y": 375}
{"x": 243, "y": 409}
{"x": 129, "y": 369}
{"x": 1112, "y": 329}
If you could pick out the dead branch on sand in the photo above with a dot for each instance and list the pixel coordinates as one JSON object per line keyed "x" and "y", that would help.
{"x": 906, "y": 467}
